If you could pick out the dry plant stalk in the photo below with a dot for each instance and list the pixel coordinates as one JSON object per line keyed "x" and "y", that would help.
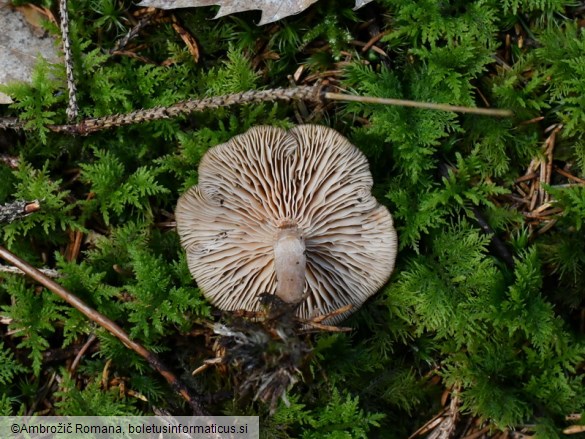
{"x": 150, "y": 16}
{"x": 539, "y": 210}
{"x": 442, "y": 425}
{"x": 415, "y": 104}
{"x": 109, "y": 325}
{"x": 313, "y": 94}
{"x": 88, "y": 126}
{"x": 72, "y": 108}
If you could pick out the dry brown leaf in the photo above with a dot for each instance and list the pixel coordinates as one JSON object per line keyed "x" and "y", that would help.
{"x": 272, "y": 10}
{"x": 34, "y": 16}
{"x": 19, "y": 47}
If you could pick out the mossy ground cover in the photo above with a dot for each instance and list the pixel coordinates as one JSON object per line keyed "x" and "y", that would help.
{"x": 484, "y": 316}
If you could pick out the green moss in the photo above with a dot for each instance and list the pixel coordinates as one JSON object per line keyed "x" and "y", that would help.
{"x": 456, "y": 313}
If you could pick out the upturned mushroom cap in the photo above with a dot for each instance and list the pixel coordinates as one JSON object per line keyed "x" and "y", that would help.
{"x": 288, "y": 213}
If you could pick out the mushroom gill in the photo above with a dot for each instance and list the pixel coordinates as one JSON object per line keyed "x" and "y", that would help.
{"x": 288, "y": 213}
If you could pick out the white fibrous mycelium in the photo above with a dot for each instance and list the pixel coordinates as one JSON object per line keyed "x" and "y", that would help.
{"x": 288, "y": 213}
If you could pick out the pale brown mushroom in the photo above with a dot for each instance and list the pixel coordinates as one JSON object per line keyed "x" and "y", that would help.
{"x": 288, "y": 213}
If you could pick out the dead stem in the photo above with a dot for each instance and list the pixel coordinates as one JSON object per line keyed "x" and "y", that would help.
{"x": 303, "y": 93}
{"x": 72, "y": 108}
{"x": 415, "y": 104}
{"x": 109, "y": 325}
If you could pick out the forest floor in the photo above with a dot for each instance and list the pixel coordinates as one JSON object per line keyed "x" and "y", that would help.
{"x": 478, "y": 333}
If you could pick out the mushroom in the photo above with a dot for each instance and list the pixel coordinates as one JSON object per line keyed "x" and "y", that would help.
{"x": 288, "y": 213}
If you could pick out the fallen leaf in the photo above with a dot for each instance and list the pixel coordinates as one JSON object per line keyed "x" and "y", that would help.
{"x": 34, "y": 15}
{"x": 19, "y": 47}
{"x": 272, "y": 10}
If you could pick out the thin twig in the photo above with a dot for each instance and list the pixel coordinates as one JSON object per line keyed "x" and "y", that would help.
{"x": 415, "y": 104}
{"x": 72, "y": 108}
{"x": 569, "y": 175}
{"x": 132, "y": 33}
{"x": 374, "y": 40}
{"x": 478, "y": 434}
{"x": 107, "y": 324}
{"x": 429, "y": 425}
{"x": 82, "y": 352}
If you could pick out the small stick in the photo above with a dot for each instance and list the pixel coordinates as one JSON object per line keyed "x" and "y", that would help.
{"x": 373, "y": 47}
{"x": 107, "y": 324}
{"x": 534, "y": 194}
{"x": 82, "y": 352}
{"x": 542, "y": 178}
{"x": 18, "y": 209}
{"x": 533, "y": 166}
{"x": 325, "y": 328}
{"x": 525, "y": 178}
{"x": 74, "y": 246}
{"x": 533, "y": 120}
{"x": 524, "y": 191}
{"x": 542, "y": 208}
{"x": 478, "y": 434}
{"x": 426, "y": 105}
{"x": 551, "y": 141}
{"x": 333, "y": 313}
{"x": 569, "y": 176}
{"x": 132, "y": 33}
{"x": 547, "y": 226}
{"x": 430, "y": 424}
{"x": 374, "y": 40}
{"x": 72, "y": 108}
{"x": 134, "y": 55}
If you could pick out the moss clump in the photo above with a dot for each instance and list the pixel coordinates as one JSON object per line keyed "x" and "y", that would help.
{"x": 496, "y": 316}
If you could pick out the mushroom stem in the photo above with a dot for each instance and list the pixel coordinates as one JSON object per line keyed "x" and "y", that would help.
{"x": 289, "y": 263}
